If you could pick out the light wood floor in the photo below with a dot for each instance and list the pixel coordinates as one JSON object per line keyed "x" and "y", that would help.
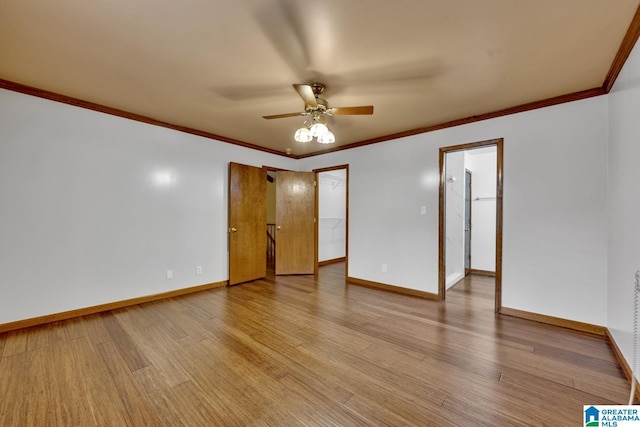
{"x": 300, "y": 351}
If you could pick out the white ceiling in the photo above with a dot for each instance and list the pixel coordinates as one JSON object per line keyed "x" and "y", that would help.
{"x": 218, "y": 66}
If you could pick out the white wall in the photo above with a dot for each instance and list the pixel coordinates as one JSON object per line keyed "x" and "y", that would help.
{"x": 97, "y": 208}
{"x": 482, "y": 162}
{"x": 388, "y": 183}
{"x": 332, "y": 214}
{"x": 554, "y": 240}
{"x": 454, "y": 217}
{"x": 624, "y": 202}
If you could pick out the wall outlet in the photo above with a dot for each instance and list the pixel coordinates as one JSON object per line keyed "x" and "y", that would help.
{"x": 423, "y": 210}
{"x": 198, "y": 269}
{"x": 384, "y": 268}
{"x": 169, "y": 274}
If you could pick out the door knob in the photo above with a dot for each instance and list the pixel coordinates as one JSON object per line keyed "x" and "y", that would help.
{"x": 278, "y": 228}
{"x": 233, "y": 229}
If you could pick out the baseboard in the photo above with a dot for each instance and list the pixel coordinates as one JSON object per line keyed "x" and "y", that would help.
{"x": 483, "y": 272}
{"x": 393, "y": 288}
{"x": 56, "y": 317}
{"x": 331, "y": 261}
{"x": 622, "y": 361}
{"x": 555, "y": 321}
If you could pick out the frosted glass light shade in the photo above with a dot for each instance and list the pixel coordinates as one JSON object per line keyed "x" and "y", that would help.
{"x": 303, "y": 135}
{"x": 318, "y": 129}
{"x": 327, "y": 138}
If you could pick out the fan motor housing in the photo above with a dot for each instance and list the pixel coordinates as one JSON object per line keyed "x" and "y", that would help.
{"x": 317, "y": 107}
{"x": 323, "y": 106}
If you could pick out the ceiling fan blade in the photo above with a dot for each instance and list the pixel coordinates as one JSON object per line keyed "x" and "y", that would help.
{"x": 250, "y": 92}
{"x": 306, "y": 93}
{"x": 281, "y": 116}
{"x": 282, "y": 23}
{"x": 343, "y": 111}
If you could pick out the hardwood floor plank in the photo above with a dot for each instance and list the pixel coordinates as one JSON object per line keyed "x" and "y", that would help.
{"x": 227, "y": 377}
{"x": 540, "y": 386}
{"x": 180, "y": 405}
{"x": 15, "y": 342}
{"x": 94, "y": 384}
{"x": 13, "y": 379}
{"x": 135, "y": 406}
{"x": 443, "y": 351}
{"x": 474, "y": 412}
{"x": 71, "y": 399}
{"x": 38, "y": 337}
{"x": 72, "y": 329}
{"x": 323, "y": 401}
{"x": 306, "y": 351}
{"x": 609, "y": 388}
{"x": 400, "y": 412}
{"x": 376, "y": 382}
{"x": 128, "y": 348}
{"x": 36, "y": 393}
{"x": 328, "y": 381}
{"x": 95, "y": 327}
{"x": 158, "y": 346}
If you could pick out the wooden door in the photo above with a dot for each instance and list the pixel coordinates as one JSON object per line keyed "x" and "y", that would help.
{"x": 295, "y": 222}
{"x": 247, "y": 223}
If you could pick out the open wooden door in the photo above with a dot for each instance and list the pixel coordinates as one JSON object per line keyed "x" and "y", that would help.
{"x": 295, "y": 222}
{"x": 247, "y": 223}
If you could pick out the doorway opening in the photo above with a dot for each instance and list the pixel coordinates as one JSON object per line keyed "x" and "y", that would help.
{"x": 271, "y": 221}
{"x": 332, "y": 214}
{"x": 470, "y": 214}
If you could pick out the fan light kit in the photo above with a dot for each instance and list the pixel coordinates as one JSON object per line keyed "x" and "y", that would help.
{"x": 315, "y": 127}
{"x": 317, "y": 109}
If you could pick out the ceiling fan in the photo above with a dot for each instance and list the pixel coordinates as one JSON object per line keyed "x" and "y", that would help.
{"x": 317, "y": 108}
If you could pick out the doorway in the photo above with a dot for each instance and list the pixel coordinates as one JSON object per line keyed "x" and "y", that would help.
{"x": 291, "y": 206}
{"x": 248, "y": 232}
{"x": 332, "y": 208}
{"x": 271, "y": 220}
{"x": 454, "y": 239}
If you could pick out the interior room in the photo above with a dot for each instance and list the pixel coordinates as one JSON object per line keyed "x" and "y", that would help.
{"x": 119, "y": 126}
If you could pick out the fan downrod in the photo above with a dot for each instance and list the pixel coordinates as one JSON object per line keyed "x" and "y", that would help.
{"x": 317, "y": 88}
